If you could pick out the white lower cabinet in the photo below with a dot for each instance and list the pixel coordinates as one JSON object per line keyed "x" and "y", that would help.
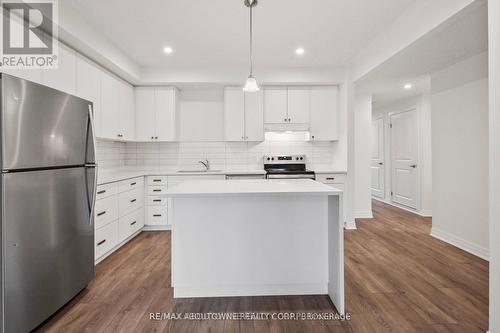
{"x": 157, "y": 215}
{"x": 336, "y": 180}
{"x": 119, "y": 214}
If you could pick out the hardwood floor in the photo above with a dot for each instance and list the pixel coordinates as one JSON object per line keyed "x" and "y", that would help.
{"x": 398, "y": 279}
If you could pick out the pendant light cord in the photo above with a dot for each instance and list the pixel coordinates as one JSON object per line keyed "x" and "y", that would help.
{"x": 251, "y": 40}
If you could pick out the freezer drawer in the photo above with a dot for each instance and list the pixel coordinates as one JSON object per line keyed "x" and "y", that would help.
{"x": 47, "y": 245}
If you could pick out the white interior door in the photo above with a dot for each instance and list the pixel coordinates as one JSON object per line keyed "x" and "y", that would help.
{"x": 378, "y": 169}
{"x": 404, "y": 157}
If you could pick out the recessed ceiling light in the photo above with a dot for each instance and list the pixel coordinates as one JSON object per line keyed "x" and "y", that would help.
{"x": 408, "y": 86}
{"x": 168, "y": 50}
{"x": 300, "y": 51}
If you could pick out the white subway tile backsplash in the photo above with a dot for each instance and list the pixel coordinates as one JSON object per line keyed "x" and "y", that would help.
{"x": 222, "y": 155}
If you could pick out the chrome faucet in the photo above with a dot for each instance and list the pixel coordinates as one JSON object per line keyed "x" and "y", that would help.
{"x": 206, "y": 164}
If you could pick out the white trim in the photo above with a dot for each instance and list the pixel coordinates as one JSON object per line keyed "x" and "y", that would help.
{"x": 479, "y": 251}
{"x": 423, "y": 213}
{"x": 363, "y": 215}
{"x": 251, "y": 290}
{"x": 350, "y": 225}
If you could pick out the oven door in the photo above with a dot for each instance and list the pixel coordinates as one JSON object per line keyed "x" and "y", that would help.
{"x": 290, "y": 176}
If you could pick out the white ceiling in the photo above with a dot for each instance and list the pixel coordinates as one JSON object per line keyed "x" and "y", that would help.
{"x": 462, "y": 36}
{"x": 215, "y": 33}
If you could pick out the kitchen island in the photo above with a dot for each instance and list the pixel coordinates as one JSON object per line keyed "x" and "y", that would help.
{"x": 257, "y": 237}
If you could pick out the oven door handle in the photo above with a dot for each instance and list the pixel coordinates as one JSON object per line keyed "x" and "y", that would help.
{"x": 296, "y": 176}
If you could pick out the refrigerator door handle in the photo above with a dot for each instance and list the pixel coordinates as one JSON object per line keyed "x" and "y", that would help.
{"x": 92, "y": 136}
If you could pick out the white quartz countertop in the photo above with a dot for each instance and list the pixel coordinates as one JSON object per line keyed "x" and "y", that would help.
{"x": 111, "y": 175}
{"x": 250, "y": 187}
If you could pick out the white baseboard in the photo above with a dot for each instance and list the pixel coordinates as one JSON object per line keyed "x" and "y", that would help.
{"x": 479, "y": 251}
{"x": 423, "y": 213}
{"x": 363, "y": 215}
{"x": 157, "y": 227}
{"x": 350, "y": 225}
{"x": 255, "y": 290}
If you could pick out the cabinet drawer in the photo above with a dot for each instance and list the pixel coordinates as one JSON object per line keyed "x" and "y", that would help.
{"x": 130, "y": 184}
{"x": 130, "y": 201}
{"x": 331, "y": 178}
{"x": 156, "y": 215}
{"x": 156, "y": 201}
{"x": 105, "y": 239}
{"x": 130, "y": 223}
{"x": 106, "y": 190}
{"x": 106, "y": 211}
{"x": 156, "y": 190}
{"x": 158, "y": 180}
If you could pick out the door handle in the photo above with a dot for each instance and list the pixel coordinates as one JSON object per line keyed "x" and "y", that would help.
{"x": 413, "y": 166}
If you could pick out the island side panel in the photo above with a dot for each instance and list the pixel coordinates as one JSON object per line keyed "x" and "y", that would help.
{"x": 336, "y": 252}
{"x": 250, "y": 245}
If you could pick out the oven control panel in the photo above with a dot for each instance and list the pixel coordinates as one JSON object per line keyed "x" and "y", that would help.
{"x": 285, "y": 159}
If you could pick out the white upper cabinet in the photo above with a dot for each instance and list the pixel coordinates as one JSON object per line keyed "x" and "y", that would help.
{"x": 234, "y": 114}
{"x": 167, "y": 115}
{"x": 145, "y": 114}
{"x": 64, "y": 76}
{"x": 156, "y": 114}
{"x": 88, "y": 86}
{"x": 254, "y": 116}
{"x": 298, "y": 105}
{"x": 243, "y": 115}
{"x": 324, "y": 113}
{"x": 110, "y": 113}
{"x": 126, "y": 107}
{"x": 275, "y": 105}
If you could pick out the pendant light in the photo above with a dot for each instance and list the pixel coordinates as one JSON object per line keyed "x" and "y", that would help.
{"x": 251, "y": 84}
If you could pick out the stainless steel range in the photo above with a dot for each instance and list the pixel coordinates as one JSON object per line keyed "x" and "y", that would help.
{"x": 287, "y": 167}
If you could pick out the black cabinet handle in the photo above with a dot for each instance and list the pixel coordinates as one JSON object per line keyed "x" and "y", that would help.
{"x": 132, "y": 184}
{"x": 133, "y": 223}
{"x": 330, "y": 178}
{"x": 156, "y": 190}
{"x": 157, "y": 215}
{"x": 101, "y": 242}
{"x": 157, "y": 200}
{"x": 101, "y": 213}
{"x": 133, "y": 200}
{"x": 156, "y": 180}
{"x": 101, "y": 192}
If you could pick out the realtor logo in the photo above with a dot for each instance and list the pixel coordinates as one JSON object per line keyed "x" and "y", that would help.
{"x": 29, "y": 34}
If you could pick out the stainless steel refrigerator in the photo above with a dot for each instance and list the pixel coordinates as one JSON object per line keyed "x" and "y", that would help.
{"x": 47, "y": 197}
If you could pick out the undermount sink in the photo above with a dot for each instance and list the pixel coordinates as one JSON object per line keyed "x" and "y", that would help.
{"x": 198, "y": 171}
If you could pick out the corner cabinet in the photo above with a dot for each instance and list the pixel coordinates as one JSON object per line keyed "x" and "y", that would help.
{"x": 117, "y": 109}
{"x": 243, "y": 115}
{"x": 156, "y": 114}
{"x": 324, "y": 113}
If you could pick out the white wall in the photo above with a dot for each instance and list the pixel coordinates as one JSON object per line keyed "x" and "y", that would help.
{"x": 362, "y": 156}
{"x": 460, "y": 166}
{"x": 494, "y": 162}
{"x": 423, "y": 108}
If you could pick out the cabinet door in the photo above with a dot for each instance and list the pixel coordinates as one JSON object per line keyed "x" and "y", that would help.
{"x": 110, "y": 123}
{"x": 64, "y": 76}
{"x": 88, "y": 86}
{"x": 275, "y": 105}
{"x": 126, "y": 109}
{"x": 166, "y": 115}
{"x": 254, "y": 116}
{"x": 234, "y": 114}
{"x": 324, "y": 113}
{"x": 298, "y": 105}
{"x": 145, "y": 114}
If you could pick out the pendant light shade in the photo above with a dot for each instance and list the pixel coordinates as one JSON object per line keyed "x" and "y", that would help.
{"x": 251, "y": 84}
